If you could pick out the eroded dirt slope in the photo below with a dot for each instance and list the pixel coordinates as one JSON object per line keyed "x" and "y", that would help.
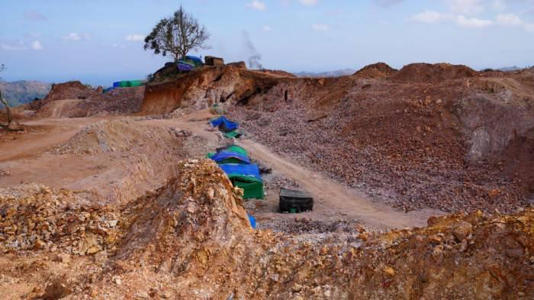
{"x": 438, "y": 136}
{"x": 191, "y": 239}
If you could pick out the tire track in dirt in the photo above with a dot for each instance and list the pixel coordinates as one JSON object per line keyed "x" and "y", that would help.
{"x": 331, "y": 195}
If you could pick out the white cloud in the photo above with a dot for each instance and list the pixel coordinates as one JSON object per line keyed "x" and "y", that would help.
{"x": 429, "y": 16}
{"x": 308, "y": 2}
{"x": 472, "y": 22}
{"x": 320, "y": 27}
{"x": 387, "y": 3}
{"x": 267, "y": 28}
{"x": 135, "y": 38}
{"x": 117, "y": 45}
{"x": 466, "y": 7}
{"x": 16, "y": 46}
{"x": 257, "y": 5}
{"x": 73, "y": 36}
{"x": 509, "y": 20}
{"x": 36, "y": 45}
{"x": 512, "y": 20}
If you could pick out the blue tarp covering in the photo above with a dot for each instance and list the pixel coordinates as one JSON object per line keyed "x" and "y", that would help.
{"x": 222, "y": 155}
{"x": 116, "y": 84}
{"x": 237, "y": 169}
{"x": 184, "y": 67}
{"x": 252, "y": 221}
{"x": 224, "y": 124}
{"x": 195, "y": 59}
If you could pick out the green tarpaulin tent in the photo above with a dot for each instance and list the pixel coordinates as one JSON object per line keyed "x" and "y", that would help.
{"x": 232, "y": 134}
{"x": 252, "y": 186}
{"x": 237, "y": 149}
{"x": 128, "y": 83}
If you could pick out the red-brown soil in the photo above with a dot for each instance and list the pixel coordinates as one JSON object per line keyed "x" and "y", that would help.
{"x": 114, "y": 207}
{"x": 378, "y": 70}
{"x": 75, "y": 100}
{"x": 191, "y": 239}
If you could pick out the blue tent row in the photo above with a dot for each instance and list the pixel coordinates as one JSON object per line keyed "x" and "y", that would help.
{"x": 107, "y": 90}
{"x": 224, "y": 124}
{"x": 244, "y": 170}
{"x": 229, "y": 156}
{"x": 234, "y": 161}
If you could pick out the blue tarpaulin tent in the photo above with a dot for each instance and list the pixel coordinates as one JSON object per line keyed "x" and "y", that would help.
{"x": 224, "y": 124}
{"x": 184, "y": 67}
{"x": 195, "y": 59}
{"x": 245, "y": 170}
{"x": 224, "y": 156}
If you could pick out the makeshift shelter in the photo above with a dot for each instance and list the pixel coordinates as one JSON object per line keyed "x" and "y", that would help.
{"x": 246, "y": 177}
{"x": 188, "y": 63}
{"x": 237, "y": 149}
{"x": 240, "y": 169}
{"x": 197, "y": 61}
{"x": 128, "y": 83}
{"x": 232, "y": 134}
{"x": 224, "y": 124}
{"x": 252, "y": 186}
{"x": 229, "y": 157}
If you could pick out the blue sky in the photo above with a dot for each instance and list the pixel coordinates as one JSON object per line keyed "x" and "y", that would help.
{"x": 99, "y": 41}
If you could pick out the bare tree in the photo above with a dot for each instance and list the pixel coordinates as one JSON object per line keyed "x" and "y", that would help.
{"x": 177, "y": 35}
{"x": 11, "y": 125}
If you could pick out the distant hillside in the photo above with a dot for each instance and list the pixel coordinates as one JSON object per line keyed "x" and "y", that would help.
{"x": 336, "y": 73}
{"x": 510, "y": 69}
{"x": 21, "y": 92}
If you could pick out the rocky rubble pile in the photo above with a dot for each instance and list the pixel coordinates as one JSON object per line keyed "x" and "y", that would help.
{"x": 421, "y": 72}
{"x": 83, "y": 101}
{"x": 33, "y": 217}
{"x": 191, "y": 239}
{"x": 408, "y": 152}
{"x": 71, "y": 90}
{"x": 376, "y": 71}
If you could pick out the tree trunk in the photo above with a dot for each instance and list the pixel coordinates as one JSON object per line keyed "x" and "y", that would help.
{"x": 8, "y": 111}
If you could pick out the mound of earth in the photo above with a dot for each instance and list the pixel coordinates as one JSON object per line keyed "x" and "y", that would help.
{"x": 71, "y": 90}
{"x": 276, "y": 73}
{"x": 441, "y": 144}
{"x": 418, "y": 140}
{"x": 191, "y": 239}
{"x": 206, "y": 86}
{"x": 421, "y": 72}
{"x": 74, "y": 100}
{"x": 375, "y": 71}
{"x": 114, "y": 136}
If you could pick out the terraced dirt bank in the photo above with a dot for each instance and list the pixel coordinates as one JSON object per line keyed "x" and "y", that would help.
{"x": 124, "y": 206}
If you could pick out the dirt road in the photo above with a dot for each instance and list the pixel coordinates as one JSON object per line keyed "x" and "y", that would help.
{"x": 331, "y": 196}
{"x": 120, "y": 176}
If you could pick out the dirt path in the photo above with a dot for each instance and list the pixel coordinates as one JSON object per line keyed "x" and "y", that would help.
{"x": 332, "y": 196}
{"x": 27, "y": 160}
{"x": 51, "y": 132}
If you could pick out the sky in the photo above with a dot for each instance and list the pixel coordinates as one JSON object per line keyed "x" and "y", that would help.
{"x": 98, "y": 41}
